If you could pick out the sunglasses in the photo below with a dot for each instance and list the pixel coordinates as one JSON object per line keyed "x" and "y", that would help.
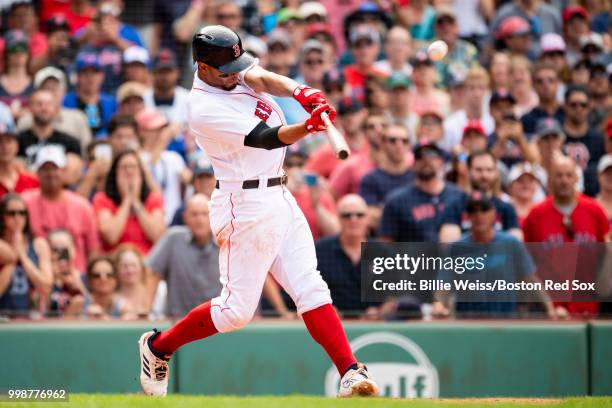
{"x": 347, "y": 215}
{"x": 13, "y": 213}
{"x": 576, "y": 105}
{"x": 313, "y": 62}
{"x": 98, "y": 275}
{"x": 554, "y": 54}
{"x": 17, "y": 48}
{"x": 445, "y": 20}
{"x": 227, "y": 16}
{"x": 394, "y": 140}
{"x": 541, "y": 81}
{"x": 363, "y": 44}
{"x": 292, "y": 164}
{"x": 479, "y": 209}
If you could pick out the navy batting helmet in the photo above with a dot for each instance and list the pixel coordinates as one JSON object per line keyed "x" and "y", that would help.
{"x": 221, "y": 48}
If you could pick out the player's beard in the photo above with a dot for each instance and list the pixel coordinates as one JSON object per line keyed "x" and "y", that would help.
{"x": 229, "y": 87}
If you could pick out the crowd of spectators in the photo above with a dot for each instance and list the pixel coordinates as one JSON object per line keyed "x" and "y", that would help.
{"x": 104, "y": 193}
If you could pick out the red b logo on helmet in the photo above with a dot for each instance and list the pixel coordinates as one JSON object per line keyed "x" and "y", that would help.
{"x": 236, "y": 50}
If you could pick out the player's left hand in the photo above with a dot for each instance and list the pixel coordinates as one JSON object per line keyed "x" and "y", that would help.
{"x": 309, "y": 98}
{"x": 314, "y": 123}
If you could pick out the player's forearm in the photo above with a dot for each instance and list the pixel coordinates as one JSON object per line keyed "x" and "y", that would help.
{"x": 290, "y": 134}
{"x": 262, "y": 80}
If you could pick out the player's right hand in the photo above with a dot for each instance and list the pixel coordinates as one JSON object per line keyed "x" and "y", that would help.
{"x": 309, "y": 98}
{"x": 314, "y": 123}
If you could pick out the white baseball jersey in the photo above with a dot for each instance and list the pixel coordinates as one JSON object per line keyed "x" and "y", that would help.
{"x": 220, "y": 120}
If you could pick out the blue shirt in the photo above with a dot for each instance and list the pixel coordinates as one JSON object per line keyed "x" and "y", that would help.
{"x": 455, "y": 214}
{"x": 98, "y": 115}
{"x": 16, "y": 298}
{"x": 412, "y": 215}
{"x": 531, "y": 119}
{"x": 378, "y": 184}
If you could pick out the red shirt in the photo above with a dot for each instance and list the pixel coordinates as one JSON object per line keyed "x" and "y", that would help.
{"x": 133, "y": 233}
{"x": 346, "y": 177}
{"x": 323, "y": 160}
{"x": 305, "y": 203}
{"x": 25, "y": 181}
{"x": 356, "y": 79}
{"x": 589, "y": 223}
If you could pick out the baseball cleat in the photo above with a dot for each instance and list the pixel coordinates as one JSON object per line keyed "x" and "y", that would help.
{"x": 357, "y": 382}
{"x": 154, "y": 370}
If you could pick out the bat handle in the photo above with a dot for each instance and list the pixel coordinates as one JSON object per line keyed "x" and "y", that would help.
{"x": 325, "y": 119}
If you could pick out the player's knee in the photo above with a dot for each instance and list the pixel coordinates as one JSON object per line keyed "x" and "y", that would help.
{"x": 313, "y": 295}
{"x": 236, "y": 319}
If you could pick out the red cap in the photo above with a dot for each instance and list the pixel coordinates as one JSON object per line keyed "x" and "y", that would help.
{"x": 316, "y": 28}
{"x": 474, "y": 125}
{"x": 514, "y": 25}
{"x": 571, "y": 11}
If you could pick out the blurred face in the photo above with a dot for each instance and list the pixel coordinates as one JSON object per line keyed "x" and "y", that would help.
{"x": 577, "y": 26}
{"x": 430, "y": 128}
{"x": 103, "y": 280}
{"x": 424, "y": 75}
{"x": 577, "y": 107}
{"x": 563, "y": 180}
{"x": 483, "y": 173}
{"x": 605, "y": 180}
{"x": 580, "y": 76}
{"x": 398, "y": 45}
{"x": 474, "y": 141}
{"x": 365, "y": 51}
{"x": 313, "y": 66}
{"x": 128, "y": 168}
{"x": 136, "y": 72}
{"x": 294, "y": 168}
{"x": 524, "y": 187}
{"x": 131, "y": 106}
{"x": 520, "y": 75}
{"x": 548, "y": 145}
{"x": 123, "y": 138}
{"x": 51, "y": 178}
{"x": 23, "y": 18}
{"x": 15, "y": 216}
{"x": 196, "y": 217}
{"x": 377, "y": 96}
{"x": 518, "y": 44}
{"x": 545, "y": 82}
{"x": 374, "y": 127}
{"x": 204, "y": 184}
{"x": 396, "y": 144}
{"x": 399, "y": 98}
{"x": 500, "y": 109}
{"x": 352, "y": 122}
{"x": 429, "y": 165}
{"x": 44, "y": 107}
{"x": 90, "y": 80}
{"x": 500, "y": 70}
{"x": 216, "y": 78}
{"x": 129, "y": 269}
{"x": 61, "y": 243}
{"x": 447, "y": 29}
{"x": 8, "y": 148}
{"x": 482, "y": 219}
{"x": 475, "y": 91}
{"x": 352, "y": 212}
{"x": 229, "y": 15}
{"x": 165, "y": 79}
{"x": 556, "y": 59}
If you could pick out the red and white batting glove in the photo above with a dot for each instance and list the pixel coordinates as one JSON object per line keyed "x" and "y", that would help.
{"x": 314, "y": 123}
{"x": 309, "y": 97}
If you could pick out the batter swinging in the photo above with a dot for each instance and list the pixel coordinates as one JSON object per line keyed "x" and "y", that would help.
{"x": 255, "y": 220}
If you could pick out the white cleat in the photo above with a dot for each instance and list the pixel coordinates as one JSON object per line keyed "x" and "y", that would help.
{"x": 154, "y": 371}
{"x": 358, "y": 382}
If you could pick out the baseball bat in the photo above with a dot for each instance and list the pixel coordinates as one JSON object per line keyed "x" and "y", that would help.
{"x": 335, "y": 138}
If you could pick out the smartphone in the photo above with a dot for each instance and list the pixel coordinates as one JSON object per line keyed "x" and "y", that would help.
{"x": 311, "y": 180}
{"x": 103, "y": 151}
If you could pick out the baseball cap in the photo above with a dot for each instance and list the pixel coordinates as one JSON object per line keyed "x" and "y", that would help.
{"x": 286, "y": 14}
{"x": 513, "y": 25}
{"x": 474, "y": 125}
{"x": 478, "y": 200}
{"x": 130, "y": 89}
{"x": 333, "y": 78}
{"x": 552, "y": 42}
{"x": 255, "y": 46}
{"x": 456, "y": 79}
{"x": 85, "y": 60}
{"x": 421, "y": 58}
{"x": 432, "y": 111}
{"x": 501, "y": 95}
{"x": 363, "y": 32}
{"x": 424, "y": 146}
{"x": 57, "y": 22}
{"x": 349, "y": 104}
{"x": 47, "y": 73}
{"x": 51, "y": 153}
{"x": 604, "y": 163}
{"x": 592, "y": 38}
{"x": 312, "y": 8}
{"x": 151, "y": 119}
{"x": 109, "y": 9}
{"x": 311, "y": 45}
{"x": 519, "y": 169}
{"x": 398, "y": 80}
{"x": 574, "y": 11}
{"x": 136, "y": 55}
{"x": 445, "y": 11}
{"x": 318, "y": 28}
{"x": 16, "y": 40}
{"x": 279, "y": 37}
{"x": 165, "y": 59}
{"x": 203, "y": 166}
{"x": 548, "y": 126}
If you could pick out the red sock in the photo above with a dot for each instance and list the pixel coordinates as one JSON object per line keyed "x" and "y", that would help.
{"x": 324, "y": 326}
{"x": 196, "y": 325}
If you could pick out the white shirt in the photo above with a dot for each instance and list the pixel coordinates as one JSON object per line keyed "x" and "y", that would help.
{"x": 167, "y": 173}
{"x": 221, "y": 119}
{"x": 454, "y": 124}
{"x": 177, "y": 112}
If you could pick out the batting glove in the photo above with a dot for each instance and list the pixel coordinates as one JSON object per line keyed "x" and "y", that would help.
{"x": 309, "y": 97}
{"x": 314, "y": 123}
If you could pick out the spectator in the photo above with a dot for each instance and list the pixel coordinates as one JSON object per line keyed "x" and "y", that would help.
{"x": 461, "y": 54}
{"x": 543, "y": 18}
{"x": 580, "y": 73}
{"x": 130, "y": 98}
{"x": 484, "y": 177}
{"x": 376, "y": 96}
{"x": 424, "y": 96}
{"x": 553, "y": 53}
{"x": 202, "y": 182}
{"x": 167, "y": 167}
{"x": 419, "y": 17}
{"x": 32, "y": 269}
{"x": 390, "y": 174}
{"x": 312, "y": 196}
{"x": 351, "y": 115}
{"x": 61, "y": 48}
{"x": 546, "y": 83}
{"x": 525, "y": 188}
{"x": 128, "y": 211}
{"x": 365, "y": 47}
{"x": 42, "y": 133}
{"x": 132, "y": 277}
{"x": 430, "y": 128}
{"x": 68, "y": 294}
{"x": 15, "y": 80}
{"x": 472, "y": 18}
{"x": 400, "y": 96}
{"x": 280, "y": 55}
{"x": 398, "y": 48}
{"x": 456, "y": 93}
{"x": 476, "y": 88}
{"x": 78, "y": 13}
{"x": 339, "y": 260}
{"x": 575, "y": 25}
{"x": 105, "y": 302}
{"x": 22, "y": 16}
{"x": 412, "y": 213}
{"x": 88, "y": 96}
{"x": 499, "y": 71}
{"x": 136, "y": 65}
{"x": 99, "y": 157}
{"x": 582, "y": 143}
{"x": 521, "y": 85}
{"x": 604, "y": 198}
{"x": 516, "y": 267}
{"x": 601, "y": 100}
{"x": 188, "y": 260}
{"x": 514, "y": 36}
{"x": 334, "y": 86}
{"x": 593, "y": 48}
{"x": 70, "y": 121}
{"x": 567, "y": 216}
{"x": 13, "y": 178}
{"x": 52, "y": 207}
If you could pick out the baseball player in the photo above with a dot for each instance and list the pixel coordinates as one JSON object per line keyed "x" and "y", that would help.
{"x": 254, "y": 218}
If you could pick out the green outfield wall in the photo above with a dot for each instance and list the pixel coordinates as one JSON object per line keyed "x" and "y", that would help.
{"x": 408, "y": 359}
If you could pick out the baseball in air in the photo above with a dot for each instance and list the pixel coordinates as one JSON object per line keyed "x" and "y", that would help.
{"x": 437, "y": 50}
